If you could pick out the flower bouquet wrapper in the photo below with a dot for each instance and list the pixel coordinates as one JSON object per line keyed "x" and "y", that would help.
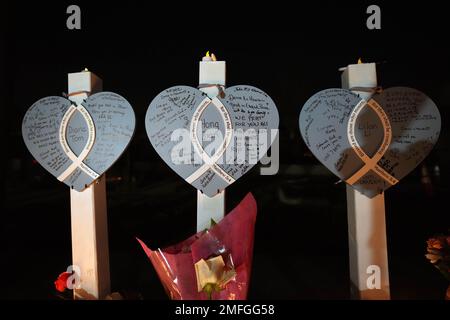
{"x": 212, "y": 264}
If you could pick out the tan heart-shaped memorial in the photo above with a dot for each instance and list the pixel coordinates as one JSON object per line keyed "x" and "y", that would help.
{"x": 370, "y": 145}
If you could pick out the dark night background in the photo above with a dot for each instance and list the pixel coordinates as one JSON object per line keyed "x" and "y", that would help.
{"x": 290, "y": 52}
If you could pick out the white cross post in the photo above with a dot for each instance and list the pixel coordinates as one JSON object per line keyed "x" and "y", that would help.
{"x": 369, "y": 271}
{"x": 211, "y": 72}
{"x": 88, "y": 215}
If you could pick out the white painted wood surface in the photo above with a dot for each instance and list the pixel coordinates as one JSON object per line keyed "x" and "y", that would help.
{"x": 366, "y": 217}
{"x": 210, "y": 72}
{"x": 89, "y": 216}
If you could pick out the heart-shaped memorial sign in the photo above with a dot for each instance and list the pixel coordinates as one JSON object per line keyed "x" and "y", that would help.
{"x": 211, "y": 142}
{"x": 78, "y": 143}
{"x": 370, "y": 145}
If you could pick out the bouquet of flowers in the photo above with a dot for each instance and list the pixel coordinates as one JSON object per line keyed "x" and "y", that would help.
{"x": 212, "y": 264}
{"x": 438, "y": 252}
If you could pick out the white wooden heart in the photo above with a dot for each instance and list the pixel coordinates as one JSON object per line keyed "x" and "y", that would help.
{"x": 78, "y": 143}
{"x": 370, "y": 145}
{"x": 201, "y": 138}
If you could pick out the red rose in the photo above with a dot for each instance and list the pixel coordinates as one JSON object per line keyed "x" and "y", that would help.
{"x": 61, "y": 282}
{"x": 434, "y": 243}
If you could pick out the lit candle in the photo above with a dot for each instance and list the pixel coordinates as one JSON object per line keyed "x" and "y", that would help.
{"x": 207, "y": 57}
{"x": 211, "y": 72}
{"x": 360, "y": 75}
{"x": 366, "y": 216}
{"x": 90, "y": 251}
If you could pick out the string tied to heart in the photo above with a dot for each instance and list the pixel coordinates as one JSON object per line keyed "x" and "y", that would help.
{"x": 370, "y": 163}
{"x": 84, "y": 94}
{"x": 77, "y": 161}
{"x": 219, "y": 87}
{"x": 76, "y": 93}
{"x": 371, "y": 90}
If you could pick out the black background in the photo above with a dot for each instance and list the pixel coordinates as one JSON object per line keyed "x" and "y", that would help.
{"x": 290, "y": 51}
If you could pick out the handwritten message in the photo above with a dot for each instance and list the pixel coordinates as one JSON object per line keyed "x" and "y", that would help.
{"x": 408, "y": 117}
{"x": 243, "y": 109}
{"x": 112, "y": 126}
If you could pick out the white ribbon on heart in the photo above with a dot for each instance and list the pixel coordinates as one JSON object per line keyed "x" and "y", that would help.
{"x": 370, "y": 163}
{"x": 77, "y": 161}
{"x": 210, "y": 162}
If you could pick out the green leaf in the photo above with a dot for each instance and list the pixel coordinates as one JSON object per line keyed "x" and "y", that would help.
{"x": 213, "y": 223}
{"x": 209, "y": 288}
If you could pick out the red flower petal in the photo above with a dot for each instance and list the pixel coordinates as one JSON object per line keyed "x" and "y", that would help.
{"x": 61, "y": 281}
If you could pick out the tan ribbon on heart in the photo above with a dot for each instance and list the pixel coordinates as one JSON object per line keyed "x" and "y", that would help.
{"x": 210, "y": 162}
{"x": 77, "y": 161}
{"x": 370, "y": 163}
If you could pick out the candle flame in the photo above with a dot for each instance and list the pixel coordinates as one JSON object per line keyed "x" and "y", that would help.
{"x": 359, "y": 61}
{"x": 211, "y": 55}
{"x": 85, "y": 69}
